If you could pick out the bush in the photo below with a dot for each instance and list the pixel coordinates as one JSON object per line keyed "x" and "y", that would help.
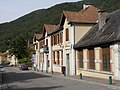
{"x": 26, "y": 61}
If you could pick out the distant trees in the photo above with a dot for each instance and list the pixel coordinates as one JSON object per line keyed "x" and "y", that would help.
{"x": 19, "y": 48}
{"x": 34, "y": 21}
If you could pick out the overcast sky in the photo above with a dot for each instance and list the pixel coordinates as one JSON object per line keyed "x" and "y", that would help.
{"x": 13, "y": 9}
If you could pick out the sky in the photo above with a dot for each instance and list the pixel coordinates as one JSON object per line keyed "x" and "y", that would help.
{"x": 13, "y": 9}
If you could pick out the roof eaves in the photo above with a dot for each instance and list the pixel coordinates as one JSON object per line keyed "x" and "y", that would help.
{"x": 73, "y": 22}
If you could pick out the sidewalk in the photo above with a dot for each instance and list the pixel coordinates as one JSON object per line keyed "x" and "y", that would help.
{"x": 115, "y": 83}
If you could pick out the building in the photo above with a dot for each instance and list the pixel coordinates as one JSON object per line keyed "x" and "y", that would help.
{"x": 75, "y": 26}
{"x": 56, "y": 44}
{"x": 36, "y": 54}
{"x": 46, "y": 48}
{"x": 7, "y": 58}
{"x": 98, "y": 52}
{"x": 3, "y": 58}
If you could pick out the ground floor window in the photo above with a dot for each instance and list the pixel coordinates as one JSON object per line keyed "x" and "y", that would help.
{"x": 91, "y": 59}
{"x": 62, "y": 57}
{"x": 58, "y": 57}
{"x": 54, "y": 62}
{"x": 106, "y": 59}
{"x": 80, "y": 59}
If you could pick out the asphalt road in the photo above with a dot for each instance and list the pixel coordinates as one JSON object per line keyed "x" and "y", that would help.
{"x": 15, "y": 79}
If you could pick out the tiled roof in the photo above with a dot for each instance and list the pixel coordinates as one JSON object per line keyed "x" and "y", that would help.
{"x": 50, "y": 28}
{"x": 58, "y": 28}
{"x": 87, "y": 15}
{"x": 108, "y": 34}
{"x": 38, "y": 36}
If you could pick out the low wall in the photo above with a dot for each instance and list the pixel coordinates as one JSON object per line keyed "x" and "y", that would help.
{"x": 90, "y": 73}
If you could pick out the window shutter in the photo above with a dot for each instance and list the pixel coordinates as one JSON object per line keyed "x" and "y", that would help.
{"x": 67, "y": 34}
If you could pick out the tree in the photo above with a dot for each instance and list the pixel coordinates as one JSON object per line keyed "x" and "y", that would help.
{"x": 18, "y": 47}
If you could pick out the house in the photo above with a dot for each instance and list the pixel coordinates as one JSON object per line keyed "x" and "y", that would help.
{"x": 98, "y": 51}
{"x": 46, "y": 48}
{"x": 7, "y": 58}
{"x": 36, "y": 54}
{"x": 57, "y": 49}
{"x": 56, "y": 45}
{"x": 3, "y": 58}
{"x": 75, "y": 26}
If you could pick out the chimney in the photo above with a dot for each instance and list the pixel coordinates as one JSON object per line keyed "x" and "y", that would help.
{"x": 102, "y": 18}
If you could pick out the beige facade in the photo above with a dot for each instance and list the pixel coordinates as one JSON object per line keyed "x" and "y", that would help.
{"x": 6, "y": 58}
{"x": 3, "y": 58}
{"x": 76, "y": 32}
{"x": 81, "y": 30}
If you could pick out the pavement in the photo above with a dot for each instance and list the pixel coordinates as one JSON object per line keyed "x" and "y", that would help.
{"x": 99, "y": 81}
{"x": 31, "y": 80}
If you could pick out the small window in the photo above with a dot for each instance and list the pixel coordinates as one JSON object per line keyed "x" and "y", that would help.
{"x": 67, "y": 34}
{"x": 46, "y": 42}
{"x": 61, "y": 37}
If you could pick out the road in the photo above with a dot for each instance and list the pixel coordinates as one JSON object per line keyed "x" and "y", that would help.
{"x": 16, "y": 79}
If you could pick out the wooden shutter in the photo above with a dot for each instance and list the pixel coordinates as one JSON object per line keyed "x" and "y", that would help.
{"x": 67, "y": 34}
{"x": 91, "y": 59}
{"x": 61, "y": 37}
{"x": 80, "y": 58}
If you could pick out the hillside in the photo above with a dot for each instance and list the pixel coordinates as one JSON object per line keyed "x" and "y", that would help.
{"x": 33, "y": 22}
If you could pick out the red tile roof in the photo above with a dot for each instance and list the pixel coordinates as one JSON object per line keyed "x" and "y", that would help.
{"x": 87, "y": 15}
{"x": 38, "y": 36}
{"x": 50, "y": 28}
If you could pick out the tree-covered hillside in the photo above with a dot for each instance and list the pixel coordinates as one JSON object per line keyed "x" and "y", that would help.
{"x": 33, "y": 22}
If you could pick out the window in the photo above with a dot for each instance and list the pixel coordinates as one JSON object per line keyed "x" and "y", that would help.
{"x": 80, "y": 59}
{"x": 52, "y": 40}
{"x": 55, "y": 39}
{"x": 47, "y": 42}
{"x": 67, "y": 34}
{"x": 58, "y": 62}
{"x": 91, "y": 59}
{"x": 62, "y": 58}
{"x": 37, "y": 46}
{"x": 43, "y": 58}
{"x": 106, "y": 59}
{"x": 61, "y": 37}
{"x": 41, "y": 44}
{"x": 54, "y": 58}
{"x": 58, "y": 39}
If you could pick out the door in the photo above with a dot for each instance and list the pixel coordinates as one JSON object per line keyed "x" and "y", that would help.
{"x": 68, "y": 64}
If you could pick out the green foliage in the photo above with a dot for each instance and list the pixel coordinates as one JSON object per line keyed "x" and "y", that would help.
{"x": 18, "y": 47}
{"x": 33, "y": 22}
{"x": 26, "y": 61}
